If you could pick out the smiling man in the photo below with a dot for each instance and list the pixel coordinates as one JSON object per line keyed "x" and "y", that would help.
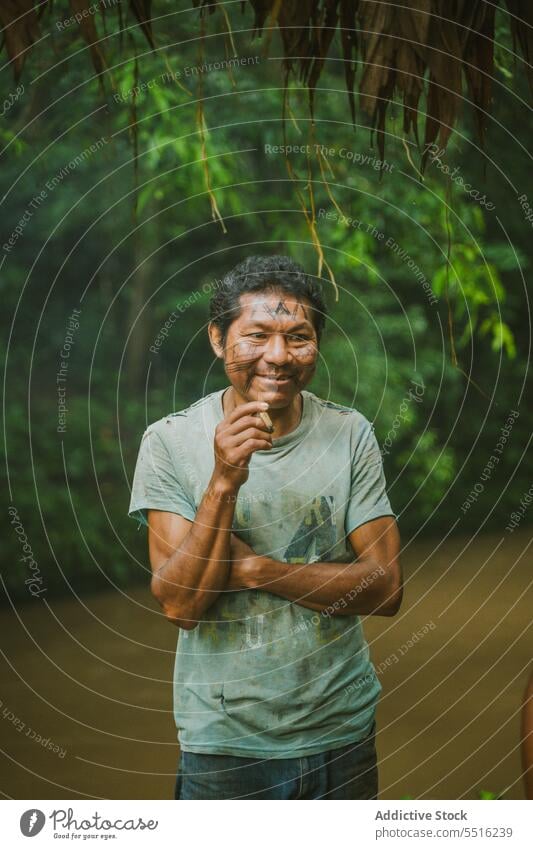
{"x": 266, "y": 546}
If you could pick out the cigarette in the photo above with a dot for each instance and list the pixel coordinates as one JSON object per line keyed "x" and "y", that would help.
{"x": 267, "y": 421}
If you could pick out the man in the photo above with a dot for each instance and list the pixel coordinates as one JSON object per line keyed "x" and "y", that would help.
{"x": 265, "y": 548}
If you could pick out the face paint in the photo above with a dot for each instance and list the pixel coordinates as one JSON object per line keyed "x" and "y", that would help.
{"x": 271, "y": 348}
{"x": 241, "y": 357}
{"x": 280, "y": 309}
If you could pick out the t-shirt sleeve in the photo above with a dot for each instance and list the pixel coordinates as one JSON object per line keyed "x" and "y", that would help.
{"x": 368, "y": 495}
{"x": 156, "y": 483}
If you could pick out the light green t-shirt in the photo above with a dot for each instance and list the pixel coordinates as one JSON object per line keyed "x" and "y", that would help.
{"x": 263, "y": 676}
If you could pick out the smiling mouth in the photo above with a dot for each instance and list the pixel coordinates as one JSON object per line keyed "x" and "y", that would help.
{"x": 275, "y": 378}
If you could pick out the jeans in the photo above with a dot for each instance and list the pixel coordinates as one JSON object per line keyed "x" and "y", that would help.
{"x": 347, "y": 773}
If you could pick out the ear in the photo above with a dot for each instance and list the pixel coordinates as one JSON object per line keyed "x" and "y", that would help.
{"x": 215, "y": 338}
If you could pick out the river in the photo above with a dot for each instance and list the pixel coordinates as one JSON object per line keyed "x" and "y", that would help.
{"x": 86, "y": 702}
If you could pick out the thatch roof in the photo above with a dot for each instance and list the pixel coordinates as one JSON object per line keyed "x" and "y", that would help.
{"x": 390, "y": 48}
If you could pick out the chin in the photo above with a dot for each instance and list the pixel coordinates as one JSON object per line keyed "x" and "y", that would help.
{"x": 277, "y": 403}
{"x": 277, "y": 399}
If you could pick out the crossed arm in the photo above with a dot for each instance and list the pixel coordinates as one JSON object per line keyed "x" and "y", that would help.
{"x": 371, "y": 584}
{"x": 194, "y": 562}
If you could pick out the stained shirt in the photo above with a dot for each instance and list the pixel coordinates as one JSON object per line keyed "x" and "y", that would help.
{"x": 260, "y": 675}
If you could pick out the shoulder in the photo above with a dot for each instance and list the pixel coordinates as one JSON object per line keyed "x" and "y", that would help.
{"x": 194, "y": 418}
{"x": 345, "y": 425}
{"x": 338, "y": 414}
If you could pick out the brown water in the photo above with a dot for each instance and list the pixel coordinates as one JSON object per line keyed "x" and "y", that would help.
{"x": 93, "y": 679}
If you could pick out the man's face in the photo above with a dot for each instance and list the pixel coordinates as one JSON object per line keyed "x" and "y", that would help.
{"x": 271, "y": 348}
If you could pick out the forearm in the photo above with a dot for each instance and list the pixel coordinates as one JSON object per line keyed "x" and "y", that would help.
{"x": 193, "y": 577}
{"x": 341, "y": 589}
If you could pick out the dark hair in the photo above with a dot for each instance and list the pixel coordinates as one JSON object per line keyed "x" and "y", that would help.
{"x": 260, "y": 273}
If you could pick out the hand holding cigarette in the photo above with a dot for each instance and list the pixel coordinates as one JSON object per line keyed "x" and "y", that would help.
{"x": 245, "y": 429}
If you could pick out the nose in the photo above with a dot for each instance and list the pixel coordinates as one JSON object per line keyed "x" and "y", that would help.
{"x": 277, "y": 350}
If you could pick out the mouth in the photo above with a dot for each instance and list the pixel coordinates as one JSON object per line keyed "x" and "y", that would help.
{"x": 277, "y": 380}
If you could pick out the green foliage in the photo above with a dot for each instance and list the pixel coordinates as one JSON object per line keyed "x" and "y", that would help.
{"x": 389, "y": 329}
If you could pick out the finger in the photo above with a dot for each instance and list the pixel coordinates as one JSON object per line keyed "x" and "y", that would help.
{"x": 252, "y": 445}
{"x": 247, "y": 409}
{"x": 249, "y": 433}
{"x": 245, "y": 423}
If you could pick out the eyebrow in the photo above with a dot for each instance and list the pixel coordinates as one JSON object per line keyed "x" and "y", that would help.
{"x": 303, "y": 325}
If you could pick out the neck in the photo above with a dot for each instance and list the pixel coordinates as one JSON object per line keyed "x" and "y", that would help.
{"x": 284, "y": 420}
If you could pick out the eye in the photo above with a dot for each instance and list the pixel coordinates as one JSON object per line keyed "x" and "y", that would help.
{"x": 298, "y": 336}
{"x": 257, "y": 335}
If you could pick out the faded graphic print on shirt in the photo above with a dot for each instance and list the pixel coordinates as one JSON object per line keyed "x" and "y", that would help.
{"x": 315, "y": 538}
